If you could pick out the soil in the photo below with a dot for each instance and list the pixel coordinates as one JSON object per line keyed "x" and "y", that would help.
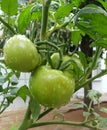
{"x": 10, "y": 119}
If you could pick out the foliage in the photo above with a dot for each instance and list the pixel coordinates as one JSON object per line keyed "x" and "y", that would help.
{"x": 55, "y": 27}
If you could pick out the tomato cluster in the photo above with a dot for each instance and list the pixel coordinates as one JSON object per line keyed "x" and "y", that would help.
{"x": 50, "y": 87}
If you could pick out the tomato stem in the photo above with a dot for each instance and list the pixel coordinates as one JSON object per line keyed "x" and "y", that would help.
{"x": 8, "y": 26}
{"x": 85, "y": 80}
{"x": 48, "y": 56}
{"x": 102, "y": 73}
{"x": 26, "y": 121}
{"x": 45, "y": 112}
{"x": 45, "y": 8}
{"x": 53, "y": 122}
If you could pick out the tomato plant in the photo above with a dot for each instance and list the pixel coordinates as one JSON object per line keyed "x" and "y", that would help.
{"x": 64, "y": 34}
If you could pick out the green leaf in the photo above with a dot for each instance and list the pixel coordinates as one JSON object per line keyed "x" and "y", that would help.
{"x": 103, "y": 109}
{"x": 1, "y": 79}
{"x": 76, "y": 37}
{"x": 83, "y": 59}
{"x": 24, "y": 19}
{"x": 10, "y": 98}
{"x": 23, "y": 92}
{"x": 97, "y": 116}
{"x": 103, "y": 122}
{"x": 86, "y": 114}
{"x": 1, "y": 88}
{"x": 36, "y": 11}
{"x": 8, "y": 76}
{"x": 10, "y": 7}
{"x": 93, "y": 21}
{"x": 104, "y": 3}
{"x": 35, "y": 109}
{"x": 63, "y": 11}
{"x": 101, "y": 42}
{"x": 94, "y": 94}
{"x": 13, "y": 90}
{"x": 77, "y": 2}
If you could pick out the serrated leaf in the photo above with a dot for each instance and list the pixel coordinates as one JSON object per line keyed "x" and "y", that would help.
{"x": 35, "y": 109}
{"x": 24, "y": 19}
{"x": 9, "y": 6}
{"x": 103, "y": 109}
{"x": 93, "y": 21}
{"x": 23, "y": 92}
{"x": 103, "y": 122}
{"x": 86, "y": 114}
{"x": 82, "y": 59}
{"x": 94, "y": 94}
{"x": 63, "y": 11}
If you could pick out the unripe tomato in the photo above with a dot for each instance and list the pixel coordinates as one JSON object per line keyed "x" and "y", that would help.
{"x": 51, "y": 87}
{"x": 21, "y": 54}
{"x": 56, "y": 58}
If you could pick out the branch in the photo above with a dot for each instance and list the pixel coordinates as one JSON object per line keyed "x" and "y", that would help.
{"x": 8, "y": 26}
{"x": 102, "y": 73}
{"x": 81, "y": 124}
{"x": 59, "y": 27}
{"x": 45, "y": 9}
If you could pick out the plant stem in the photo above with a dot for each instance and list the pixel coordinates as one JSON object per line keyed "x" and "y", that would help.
{"x": 102, "y": 73}
{"x": 45, "y": 112}
{"x": 83, "y": 80}
{"x": 59, "y": 27}
{"x": 94, "y": 61}
{"x": 81, "y": 124}
{"x": 8, "y": 26}
{"x": 26, "y": 121}
{"x": 45, "y": 9}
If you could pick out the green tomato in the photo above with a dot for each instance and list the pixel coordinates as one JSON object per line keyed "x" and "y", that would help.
{"x": 95, "y": 122}
{"x": 56, "y": 58}
{"x": 50, "y": 87}
{"x": 21, "y": 54}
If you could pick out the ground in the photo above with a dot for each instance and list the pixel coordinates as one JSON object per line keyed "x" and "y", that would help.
{"x": 10, "y": 119}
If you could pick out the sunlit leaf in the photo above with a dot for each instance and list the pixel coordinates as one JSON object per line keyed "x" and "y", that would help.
{"x": 76, "y": 37}
{"x": 24, "y": 19}
{"x": 10, "y": 7}
{"x": 63, "y": 11}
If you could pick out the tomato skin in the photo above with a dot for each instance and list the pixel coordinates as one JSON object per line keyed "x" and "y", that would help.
{"x": 21, "y": 54}
{"x": 50, "y": 87}
{"x": 55, "y": 60}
